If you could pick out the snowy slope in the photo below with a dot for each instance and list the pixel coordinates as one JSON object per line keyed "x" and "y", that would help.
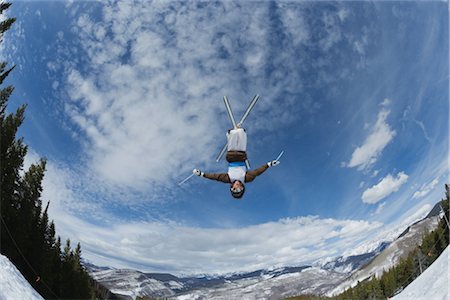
{"x": 390, "y": 256}
{"x": 432, "y": 284}
{"x": 13, "y": 285}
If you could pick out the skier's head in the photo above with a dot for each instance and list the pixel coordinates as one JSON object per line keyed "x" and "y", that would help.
{"x": 237, "y": 189}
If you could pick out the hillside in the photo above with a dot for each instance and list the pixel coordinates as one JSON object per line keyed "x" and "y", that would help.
{"x": 13, "y": 285}
{"x": 391, "y": 255}
{"x": 433, "y": 283}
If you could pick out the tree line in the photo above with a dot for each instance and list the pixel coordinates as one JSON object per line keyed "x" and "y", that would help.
{"x": 409, "y": 268}
{"x": 27, "y": 236}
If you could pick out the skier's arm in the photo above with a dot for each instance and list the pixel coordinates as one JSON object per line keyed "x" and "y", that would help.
{"x": 213, "y": 176}
{"x": 251, "y": 175}
{"x": 223, "y": 177}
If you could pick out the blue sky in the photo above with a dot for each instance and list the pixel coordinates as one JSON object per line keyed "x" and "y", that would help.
{"x": 125, "y": 99}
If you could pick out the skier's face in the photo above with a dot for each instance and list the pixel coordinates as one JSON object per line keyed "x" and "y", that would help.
{"x": 237, "y": 189}
{"x": 237, "y": 185}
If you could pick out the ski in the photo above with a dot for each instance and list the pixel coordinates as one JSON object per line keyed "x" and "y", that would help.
{"x": 230, "y": 113}
{"x": 249, "y": 109}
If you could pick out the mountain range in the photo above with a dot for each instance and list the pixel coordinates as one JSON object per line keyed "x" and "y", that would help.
{"x": 328, "y": 277}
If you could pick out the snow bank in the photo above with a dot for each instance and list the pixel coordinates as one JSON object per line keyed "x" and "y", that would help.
{"x": 13, "y": 285}
{"x": 433, "y": 284}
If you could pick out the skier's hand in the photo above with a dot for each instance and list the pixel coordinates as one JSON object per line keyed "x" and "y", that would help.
{"x": 273, "y": 163}
{"x": 198, "y": 172}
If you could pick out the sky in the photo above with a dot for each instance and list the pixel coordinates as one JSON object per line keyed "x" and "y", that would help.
{"x": 124, "y": 99}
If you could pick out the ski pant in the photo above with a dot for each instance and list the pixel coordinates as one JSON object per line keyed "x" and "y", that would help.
{"x": 237, "y": 140}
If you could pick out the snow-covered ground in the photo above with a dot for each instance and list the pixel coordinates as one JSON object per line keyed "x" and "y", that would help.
{"x": 13, "y": 285}
{"x": 432, "y": 284}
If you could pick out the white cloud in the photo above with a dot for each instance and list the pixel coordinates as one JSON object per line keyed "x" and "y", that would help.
{"x": 424, "y": 130}
{"x": 176, "y": 248}
{"x": 414, "y": 214}
{"x": 386, "y": 102}
{"x": 201, "y": 250}
{"x": 148, "y": 96}
{"x": 425, "y": 189}
{"x": 389, "y": 232}
{"x": 380, "y": 208}
{"x": 367, "y": 154}
{"x": 384, "y": 188}
{"x": 333, "y": 32}
{"x": 343, "y": 14}
{"x": 170, "y": 246}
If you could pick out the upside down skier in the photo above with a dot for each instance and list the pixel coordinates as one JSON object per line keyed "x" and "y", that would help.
{"x": 237, "y": 170}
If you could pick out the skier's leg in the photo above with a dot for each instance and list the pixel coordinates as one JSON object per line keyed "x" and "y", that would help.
{"x": 233, "y": 121}
{"x": 237, "y": 140}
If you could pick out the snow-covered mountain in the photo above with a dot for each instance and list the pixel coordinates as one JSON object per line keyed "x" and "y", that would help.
{"x": 13, "y": 285}
{"x": 324, "y": 277}
{"x": 391, "y": 255}
{"x": 348, "y": 264}
{"x": 433, "y": 283}
{"x": 308, "y": 281}
{"x": 261, "y": 284}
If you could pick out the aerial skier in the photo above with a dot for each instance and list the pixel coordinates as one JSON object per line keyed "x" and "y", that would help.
{"x": 238, "y": 166}
{"x": 236, "y": 157}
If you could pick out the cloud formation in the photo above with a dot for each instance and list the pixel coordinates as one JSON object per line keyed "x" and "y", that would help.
{"x": 384, "y": 188}
{"x": 425, "y": 189}
{"x": 367, "y": 154}
{"x": 148, "y": 102}
{"x": 144, "y": 89}
{"x": 170, "y": 246}
{"x": 177, "y": 248}
{"x": 390, "y": 232}
{"x": 145, "y": 93}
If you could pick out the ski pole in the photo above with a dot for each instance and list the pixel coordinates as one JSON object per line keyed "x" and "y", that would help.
{"x": 280, "y": 155}
{"x": 186, "y": 179}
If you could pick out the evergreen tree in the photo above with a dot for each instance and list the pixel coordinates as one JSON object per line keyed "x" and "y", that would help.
{"x": 83, "y": 290}
{"x": 26, "y": 237}
{"x": 75, "y": 280}
{"x": 67, "y": 280}
{"x": 55, "y": 267}
{"x": 12, "y": 153}
{"x": 30, "y": 236}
